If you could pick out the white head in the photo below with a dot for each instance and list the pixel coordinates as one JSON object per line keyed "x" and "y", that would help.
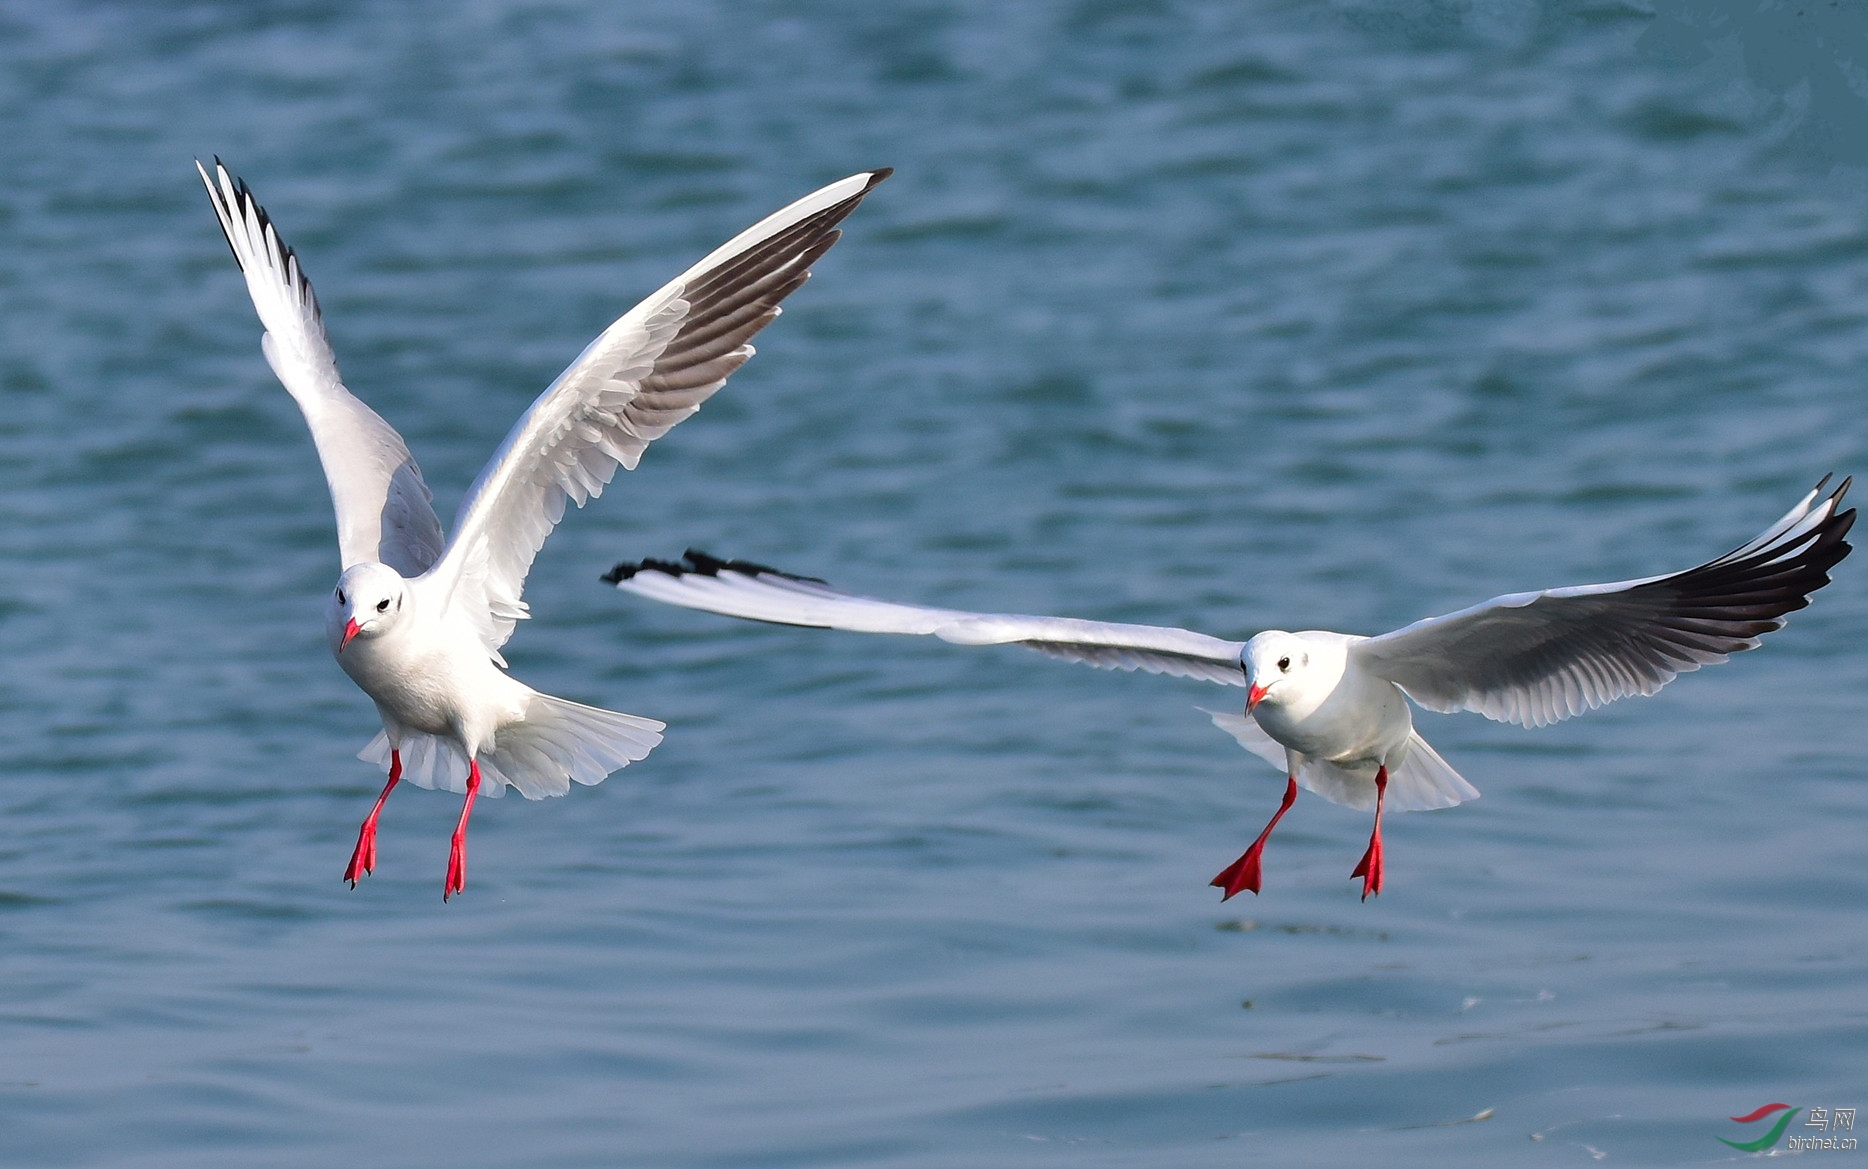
{"x": 1278, "y": 669}
{"x": 368, "y": 601}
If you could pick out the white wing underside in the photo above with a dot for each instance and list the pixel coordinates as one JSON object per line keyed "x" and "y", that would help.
{"x": 1536, "y": 658}
{"x": 383, "y": 507}
{"x": 642, "y": 376}
{"x": 737, "y": 589}
{"x": 1422, "y": 782}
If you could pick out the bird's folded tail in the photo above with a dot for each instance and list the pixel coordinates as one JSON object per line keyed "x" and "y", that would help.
{"x": 428, "y": 761}
{"x": 1422, "y": 782}
{"x": 558, "y": 743}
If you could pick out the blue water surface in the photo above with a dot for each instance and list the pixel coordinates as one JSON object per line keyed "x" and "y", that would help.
{"x": 1217, "y": 314}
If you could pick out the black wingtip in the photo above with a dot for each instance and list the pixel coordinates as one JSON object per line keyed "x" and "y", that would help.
{"x": 1837, "y": 526}
{"x": 220, "y": 201}
{"x": 1782, "y": 576}
{"x": 623, "y": 572}
{"x": 246, "y": 206}
{"x": 695, "y": 562}
{"x": 877, "y": 176}
{"x": 708, "y": 565}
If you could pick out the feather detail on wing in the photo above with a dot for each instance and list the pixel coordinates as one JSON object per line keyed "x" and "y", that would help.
{"x": 736, "y": 588}
{"x": 644, "y": 374}
{"x": 1536, "y": 658}
{"x": 383, "y": 507}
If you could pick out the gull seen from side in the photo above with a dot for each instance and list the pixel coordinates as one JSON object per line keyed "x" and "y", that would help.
{"x": 1331, "y": 709}
{"x": 417, "y": 622}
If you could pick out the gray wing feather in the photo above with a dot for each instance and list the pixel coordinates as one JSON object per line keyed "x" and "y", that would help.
{"x": 1536, "y": 658}
{"x": 642, "y": 376}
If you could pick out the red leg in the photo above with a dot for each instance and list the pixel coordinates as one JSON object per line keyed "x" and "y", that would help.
{"x": 1244, "y": 872}
{"x": 457, "y": 852}
{"x": 363, "y": 860}
{"x": 1370, "y": 870}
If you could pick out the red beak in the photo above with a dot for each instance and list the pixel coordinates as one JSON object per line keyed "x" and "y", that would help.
{"x": 1252, "y": 697}
{"x": 350, "y": 631}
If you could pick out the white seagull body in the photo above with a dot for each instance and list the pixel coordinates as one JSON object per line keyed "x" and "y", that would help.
{"x": 418, "y": 622}
{"x": 1331, "y": 709}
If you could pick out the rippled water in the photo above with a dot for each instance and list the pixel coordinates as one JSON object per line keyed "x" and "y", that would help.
{"x": 1211, "y": 314}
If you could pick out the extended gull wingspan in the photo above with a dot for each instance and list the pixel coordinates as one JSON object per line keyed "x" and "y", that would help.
{"x": 735, "y": 588}
{"x": 1537, "y": 658}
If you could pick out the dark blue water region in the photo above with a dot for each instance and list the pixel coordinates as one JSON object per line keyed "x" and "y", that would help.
{"x": 1217, "y": 315}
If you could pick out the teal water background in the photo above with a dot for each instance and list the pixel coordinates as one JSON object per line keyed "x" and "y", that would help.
{"x": 1224, "y": 315}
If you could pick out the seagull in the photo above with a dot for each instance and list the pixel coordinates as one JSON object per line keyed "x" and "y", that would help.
{"x": 1331, "y": 709}
{"x": 418, "y": 622}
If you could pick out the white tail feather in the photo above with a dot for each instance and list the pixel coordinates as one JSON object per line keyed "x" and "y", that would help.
{"x": 559, "y": 742}
{"x": 428, "y": 761}
{"x": 1421, "y": 782}
{"x": 1427, "y": 780}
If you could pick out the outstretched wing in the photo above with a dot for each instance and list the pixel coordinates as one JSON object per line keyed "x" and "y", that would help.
{"x": 735, "y": 588}
{"x": 383, "y": 508}
{"x": 1536, "y": 658}
{"x": 644, "y": 374}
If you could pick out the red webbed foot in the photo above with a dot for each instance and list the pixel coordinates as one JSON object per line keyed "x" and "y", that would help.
{"x": 457, "y": 868}
{"x": 457, "y": 847}
{"x": 363, "y": 858}
{"x": 1370, "y": 867}
{"x": 1246, "y": 873}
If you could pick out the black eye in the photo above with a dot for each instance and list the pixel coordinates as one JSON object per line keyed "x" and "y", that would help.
{"x": 1284, "y": 663}
{"x": 382, "y": 606}
{"x": 340, "y": 596}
